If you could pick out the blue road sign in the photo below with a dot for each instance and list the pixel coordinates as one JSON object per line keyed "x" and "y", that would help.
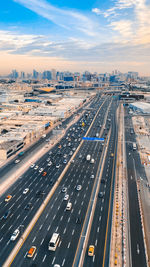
{"x": 93, "y": 139}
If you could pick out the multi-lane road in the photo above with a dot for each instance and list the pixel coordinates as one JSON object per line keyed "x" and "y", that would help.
{"x": 99, "y": 120}
{"x": 138, "y": 255}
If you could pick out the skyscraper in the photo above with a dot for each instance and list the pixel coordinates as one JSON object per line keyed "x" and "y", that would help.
{"x": 35, "y": 74}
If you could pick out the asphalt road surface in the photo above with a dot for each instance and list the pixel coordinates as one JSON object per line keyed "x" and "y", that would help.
{"x": 138, "y": 257}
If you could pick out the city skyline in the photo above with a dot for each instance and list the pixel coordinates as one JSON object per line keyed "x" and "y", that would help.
{"x": 76, "y": 36}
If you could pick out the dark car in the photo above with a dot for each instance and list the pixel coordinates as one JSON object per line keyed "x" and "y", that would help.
{"x": 103, "y": 181}
{"x": 28, "y": 206}
{"x": 40, "y": 193}
{"x": 78, "y": 220}
{"x": 51, "y": 182}
{"x": 6, "y": 215}
{"x": 100, "y": 194}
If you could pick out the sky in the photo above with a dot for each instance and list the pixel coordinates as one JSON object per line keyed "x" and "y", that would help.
{"x": 75, "y": 35}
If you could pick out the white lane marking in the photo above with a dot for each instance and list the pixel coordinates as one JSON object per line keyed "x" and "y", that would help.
{"x": 98, "y": 230}
{"x": 42, "y": 241}
{"x": 53, "y": 260}
{"x": 68, "y": 219}
{"x": 46, "y": 216}
{"x": 61, "y": 218}
{"x": 73, "y": 232}
{"x": 11, "y": 206}
{"x": 64, "y": 231}
{"x": 44, "y": 258}
{"x": 54, "y": 217}
{"x": 10, "y": 227}
{"x": 56, "y": 229}
{"x": 69, "y": 245}
{"x": 1, "y": 239}
{"x": 96, "y": 242}
{"x": 25, "y": 218}
{"x": 18, "y": 216}
{"x": 25, "y": 254}
{"x": 3, "y": 226}
{"x": 100, "y": 218}
{"x": 41, "y": 227}
{"x": 79, "y": 212}
{"x": 48, "y": 227}
{"x": 101, "y": 208}
{"x": 102, "y": 200}
{"x": 34, "y": 256}
{"x": 8, "y": 242}
{"x": 93, "y": 258}
{"x": 18, "y": 198}
{"x": 33, "y": 239}
{"x": 63, "y": 262}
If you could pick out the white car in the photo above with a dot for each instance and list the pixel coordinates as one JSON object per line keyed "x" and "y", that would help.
{"x": 92, "y": 161}
{"x": 17, "y": 161}
{"x": 15, "y": 235}
{"x": 40, "y": 170}
{"x": 49, "y": 164}
{"x": 48, "y": 159}
{"x": 69, "y": 206}
{"x": 26, "y": 191}
{"x": 57, "y": 166}
{"x": 64, "y": 190}
{"x": 66, "y": 197}
{"x": 78, "y": 187}
{"x": 92, "y": 176}
{"x": 32, "y": 166}
{"x": 36, "y": 167}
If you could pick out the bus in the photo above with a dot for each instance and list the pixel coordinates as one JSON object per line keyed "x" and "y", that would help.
{"x": 54, "y": 241}
{"x": 134, "y": 146}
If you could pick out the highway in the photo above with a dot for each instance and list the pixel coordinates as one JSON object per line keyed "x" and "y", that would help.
{"x": 99, "y": 234}
{"x": 134, "y": 167}
{"x": 55, "y": 218}
{"x": 34, "y": 180}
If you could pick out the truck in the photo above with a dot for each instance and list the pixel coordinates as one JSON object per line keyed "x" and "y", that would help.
{"x": 88, "y": 157}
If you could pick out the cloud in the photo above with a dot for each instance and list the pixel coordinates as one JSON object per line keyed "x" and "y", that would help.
{"x": 97, "y": 11}
{"x": 72, "y": 49}
{"x": 124, "y": 27}
{"x": 68, "y": 19}
{"x": 132, "y": 25}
